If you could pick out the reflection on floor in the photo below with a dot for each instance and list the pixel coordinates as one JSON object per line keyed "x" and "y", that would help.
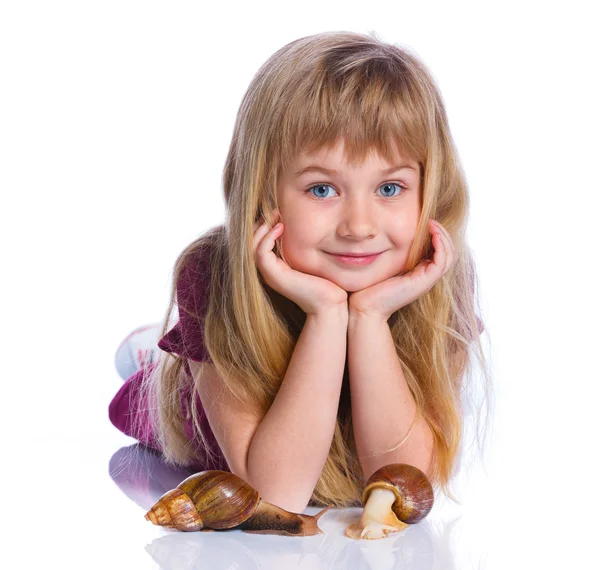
{"x": 143, "y": 476}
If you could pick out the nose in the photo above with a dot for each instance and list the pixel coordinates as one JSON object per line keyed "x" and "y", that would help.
{"x": 357, "y": 220}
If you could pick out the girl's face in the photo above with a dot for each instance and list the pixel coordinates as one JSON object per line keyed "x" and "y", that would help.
{"x": 361, "y": 208}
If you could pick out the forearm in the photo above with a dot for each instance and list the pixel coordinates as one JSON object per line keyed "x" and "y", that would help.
{"x": 383, "y": 408}
{"x": 289, "y": 448}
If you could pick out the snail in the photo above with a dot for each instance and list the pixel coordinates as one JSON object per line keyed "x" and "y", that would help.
{"x": 219, "y": 500}
{"x": 395, "y": 496}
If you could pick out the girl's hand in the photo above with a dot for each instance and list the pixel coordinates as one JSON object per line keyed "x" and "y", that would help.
{"x": 311, "y": 293}
{"x": 383, "y": 299}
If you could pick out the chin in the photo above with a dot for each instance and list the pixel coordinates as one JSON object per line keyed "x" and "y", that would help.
{"x": 353, "y": 289}
{"x": 351, "y": 286}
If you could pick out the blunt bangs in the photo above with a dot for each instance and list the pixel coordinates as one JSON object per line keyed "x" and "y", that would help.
{"x": 372, "y": 106}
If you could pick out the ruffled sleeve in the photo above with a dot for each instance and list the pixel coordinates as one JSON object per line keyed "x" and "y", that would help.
{"x": 186, "y": 338}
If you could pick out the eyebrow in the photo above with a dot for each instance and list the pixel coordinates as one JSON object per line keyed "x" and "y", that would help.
{"x": 317, "y": 168}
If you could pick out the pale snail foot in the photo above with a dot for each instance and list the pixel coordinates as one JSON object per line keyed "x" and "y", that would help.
{"x": 378, "y": 518}
{"x": 372, "y": 530}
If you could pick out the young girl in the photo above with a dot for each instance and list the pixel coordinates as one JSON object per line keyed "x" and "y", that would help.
{"x": 298, "y": 369}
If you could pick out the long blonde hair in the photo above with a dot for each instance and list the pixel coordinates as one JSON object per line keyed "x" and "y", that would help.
{"x": 308, "y": 95}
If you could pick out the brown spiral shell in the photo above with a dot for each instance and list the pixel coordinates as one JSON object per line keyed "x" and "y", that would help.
{"x": 414, "y": 493}
{"x": 208, "y": 489}
{"x": 210, "y": 499}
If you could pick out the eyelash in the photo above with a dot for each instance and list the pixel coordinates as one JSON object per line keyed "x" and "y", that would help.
{"x": 384, "y": 184}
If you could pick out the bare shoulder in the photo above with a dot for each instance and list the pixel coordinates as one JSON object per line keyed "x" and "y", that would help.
{"x": 233, "y": 422}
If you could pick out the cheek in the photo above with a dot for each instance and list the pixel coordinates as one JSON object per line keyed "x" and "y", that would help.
{"x": 300, "y": 236}
{"x": 301, "y": 249}
{"x": 396, "y": 263}
{"x": 291, "y": 243}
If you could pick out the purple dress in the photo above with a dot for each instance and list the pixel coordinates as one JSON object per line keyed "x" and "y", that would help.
{"x": 185, "y": 339}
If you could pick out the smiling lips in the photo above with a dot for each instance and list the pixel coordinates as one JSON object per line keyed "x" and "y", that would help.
{"x": 355, "y": 259}
{"x": 360, "y": 254}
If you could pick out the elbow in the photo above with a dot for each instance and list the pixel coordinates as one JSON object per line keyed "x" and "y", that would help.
{"x": 422, "y": 449}
{"x": 423, "y": 458}
{"x": 283, "y": 500}
{"x": 418, "y": 451}
{"x": 290, "y": 504}
{"x": 281, "y": 496}
{"x": 292, "y": 498}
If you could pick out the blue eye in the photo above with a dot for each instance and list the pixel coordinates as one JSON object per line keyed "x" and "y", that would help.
{"x": 387, "y": 184}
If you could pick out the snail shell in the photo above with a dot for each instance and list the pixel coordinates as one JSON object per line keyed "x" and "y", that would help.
{"x": 394, "y": 496}
{"x": 414, "y": 493}
{"x": 220, "y": 500}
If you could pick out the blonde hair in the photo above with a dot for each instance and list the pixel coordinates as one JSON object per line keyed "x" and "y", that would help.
{"x": 308, "y": 95}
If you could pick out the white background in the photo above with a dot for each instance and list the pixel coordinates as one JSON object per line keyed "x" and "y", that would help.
{"x": 115, "y": 119}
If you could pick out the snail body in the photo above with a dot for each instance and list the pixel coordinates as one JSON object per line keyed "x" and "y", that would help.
{"x": 395, "y": 496}
{"x": 219, "y": 500}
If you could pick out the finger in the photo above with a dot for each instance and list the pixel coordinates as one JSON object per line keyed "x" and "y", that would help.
{"x": 274, "y": 271}
{"x": 436, "y": 226}
{"x": 449, "y": 247}
{"x": 448, "y": 252}
{"x": 444, "y": 240}
{"x": 439, "y": 254}
{"x": 267, "y": 243}
{"x": 447, "y": 239}
{"x": 259, "y": 234}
